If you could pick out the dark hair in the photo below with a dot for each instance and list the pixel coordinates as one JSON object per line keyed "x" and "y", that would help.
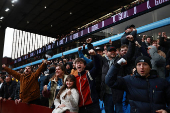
{"x": 3, "y": 78}
{"x": 154, "y": 41}
{"x": 80, "y": 60}
{"x": 62, "y": 67}
{"x": 69, "y": 77}
{"x": 123, "y": 46}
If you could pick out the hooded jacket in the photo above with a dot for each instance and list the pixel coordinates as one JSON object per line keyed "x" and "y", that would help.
{"x": 158, "y": 62}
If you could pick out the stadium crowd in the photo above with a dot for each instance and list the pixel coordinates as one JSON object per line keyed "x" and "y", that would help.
{"x": 129, "y": 79}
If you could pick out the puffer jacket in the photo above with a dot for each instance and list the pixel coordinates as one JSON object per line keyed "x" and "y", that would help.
{"x": 146, "y": 95}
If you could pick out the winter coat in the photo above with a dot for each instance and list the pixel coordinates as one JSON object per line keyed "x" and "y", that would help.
{"x": 105, "y": 68}
{"x": 124, "y": 40}
{"x": 146, "y": 95}
{"x": 2, "y": 90}
{"x": 9, "y": 89}
{"x": 29, "y": 86}
{"x": 17, "y": 91}
{"x": 70, "y": 101}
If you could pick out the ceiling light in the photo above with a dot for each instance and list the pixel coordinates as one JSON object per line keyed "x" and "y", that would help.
{"x": 7, "y": 9}
{"x": 1, "y": 17}
{"x": 12, "y": 4}
{"x": 139, "y": 35}
{"x": 51, "y": 25}
{"x": 70, "y": 13}
{"x": 45, "y": 7}
{"x": 13, "y": 1}
{"x": 27, "y": 22}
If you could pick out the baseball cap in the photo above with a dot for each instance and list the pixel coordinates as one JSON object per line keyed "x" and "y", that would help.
{"x": 111, "y": 48}
{"x": 129, "y": 26}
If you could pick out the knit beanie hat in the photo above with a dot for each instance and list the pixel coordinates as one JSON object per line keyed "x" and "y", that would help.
{"x": 143, "y": 59}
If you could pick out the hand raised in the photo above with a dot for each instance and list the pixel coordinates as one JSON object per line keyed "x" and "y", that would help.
{"x": 3, "y": 65}
{"x": 161, "y": 111}
{"x": 92, "y": 52}
{"x": 79, "y": 48}
{"x": 89, "y": 40}
{"x": 130, "y": 37}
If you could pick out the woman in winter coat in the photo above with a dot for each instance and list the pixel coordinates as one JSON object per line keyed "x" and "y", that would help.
{"x": 68, "y": 97}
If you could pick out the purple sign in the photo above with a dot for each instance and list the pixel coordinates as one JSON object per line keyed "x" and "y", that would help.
{"x": 133, "y": 11}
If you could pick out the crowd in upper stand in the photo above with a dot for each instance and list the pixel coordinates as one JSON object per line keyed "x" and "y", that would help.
{"x": 59, "y": 37}
{"x": 131, "y": 78}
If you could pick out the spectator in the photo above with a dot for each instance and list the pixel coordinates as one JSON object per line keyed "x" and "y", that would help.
{"x": 9, "y": 89}
{"x": 129, "y": 30}
{"x": 43, "y": 100}
{"x": 1, "y": 81}
{"x": 146, "y": 42}
{"x": 99, "y": 51}
{"x": 68, "y": 97}
{"x": 164, "y": 42}
{"x": 17, "y": 90}
{"x": 2, "y": 78}
{"x": 89, "y": 102}
{"x": 106, "y": 92}
{"x": 158, "y": 62}
{"x": 29, "y": 86}
{"x": 123, "y": 9}
{"x": 68, "y": 68}
{"x": 74, "y": 70}
{"x": 55, "y": 83}
{"x": 50, "y": 75}
{"x": 146, "y": 92}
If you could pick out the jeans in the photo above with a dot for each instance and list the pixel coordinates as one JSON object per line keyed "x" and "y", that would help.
{"x": 110, "y": 107}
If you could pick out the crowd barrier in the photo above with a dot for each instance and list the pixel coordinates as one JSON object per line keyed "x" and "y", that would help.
{"x": 9, "y": 106}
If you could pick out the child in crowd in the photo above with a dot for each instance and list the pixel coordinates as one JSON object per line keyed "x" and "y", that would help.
{"x": 68, "y": 97}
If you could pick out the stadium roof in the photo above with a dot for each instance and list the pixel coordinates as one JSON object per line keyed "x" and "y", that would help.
{"x": 54, "y": 17}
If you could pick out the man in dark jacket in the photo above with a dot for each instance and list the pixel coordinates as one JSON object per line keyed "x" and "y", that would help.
{"x": 106, "y": 92}
{"x": 9, "y": 89}
{"x": 147, "y": 93}
{"x": 17, "y": 90}
{"x": 129, "y": 30}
